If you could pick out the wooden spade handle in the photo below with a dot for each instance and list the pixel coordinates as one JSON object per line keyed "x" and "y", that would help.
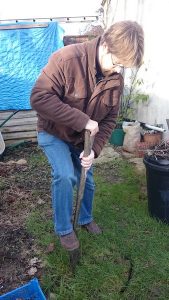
{"x": 87, "y": 143}
{"x": 80, "y": 192}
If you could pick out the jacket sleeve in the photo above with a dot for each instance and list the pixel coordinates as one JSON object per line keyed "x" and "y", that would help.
{"x": 107, "y": 125}
{"x": 48, "y": 92}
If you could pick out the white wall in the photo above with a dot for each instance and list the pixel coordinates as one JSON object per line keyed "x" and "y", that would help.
{"x": 20, "y": 9}
{"x": 153, "y": 15}
{"x": 51, "y": 8}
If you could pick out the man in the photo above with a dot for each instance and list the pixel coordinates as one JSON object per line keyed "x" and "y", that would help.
{"x": 79, "y": 89}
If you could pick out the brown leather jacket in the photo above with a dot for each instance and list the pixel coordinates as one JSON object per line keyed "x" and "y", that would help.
{"x": 66, "y": 95}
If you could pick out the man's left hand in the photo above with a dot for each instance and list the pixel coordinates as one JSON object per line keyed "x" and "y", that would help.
{"x": 87, "y": 161}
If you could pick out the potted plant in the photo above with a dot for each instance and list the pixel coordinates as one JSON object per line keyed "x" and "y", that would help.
{"x": 132, "y": 95}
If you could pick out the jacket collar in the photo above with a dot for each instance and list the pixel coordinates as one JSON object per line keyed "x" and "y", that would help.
{"x": 92, "y": 48}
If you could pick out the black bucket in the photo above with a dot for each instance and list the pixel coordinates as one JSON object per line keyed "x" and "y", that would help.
{"x": 157, "y": 174}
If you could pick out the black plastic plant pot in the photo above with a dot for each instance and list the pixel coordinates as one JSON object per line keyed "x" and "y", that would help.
{"x": 157, "y": 175}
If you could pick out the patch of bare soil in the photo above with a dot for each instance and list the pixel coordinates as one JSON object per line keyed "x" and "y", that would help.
{"x": 15, "y": 256}
{"x": 19, "y": 182}
{"x": 109, "y": 172}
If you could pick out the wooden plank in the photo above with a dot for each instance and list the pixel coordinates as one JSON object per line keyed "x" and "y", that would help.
{"x": 12, "y": 142}
{"x": 23, "y": 26}
{"x": 19, "y": 135}
{"x": 19, "y": 122}
{"x": 74, "y": 39}
{"x": 19, "y": 128}
{"x": 19, "y": 115}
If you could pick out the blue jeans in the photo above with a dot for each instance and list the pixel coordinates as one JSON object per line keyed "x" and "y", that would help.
{"x": 66, "y": 169}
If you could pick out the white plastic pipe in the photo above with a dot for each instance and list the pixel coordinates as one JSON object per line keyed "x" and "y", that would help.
{"x": 154, "y": 127}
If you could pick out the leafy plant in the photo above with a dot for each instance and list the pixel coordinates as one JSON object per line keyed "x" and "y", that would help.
{"x": 132, "y": 96}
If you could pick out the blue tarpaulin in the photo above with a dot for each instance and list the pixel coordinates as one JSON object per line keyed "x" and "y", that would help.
{"x": 23, "y": 54}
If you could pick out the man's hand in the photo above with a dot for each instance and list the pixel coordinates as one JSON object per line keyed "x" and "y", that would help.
{"x": 92, "y": 126}
{"x": 87, "y": 161}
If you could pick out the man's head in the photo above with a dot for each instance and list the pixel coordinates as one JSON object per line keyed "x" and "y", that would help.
{"x": 122, "y": 45}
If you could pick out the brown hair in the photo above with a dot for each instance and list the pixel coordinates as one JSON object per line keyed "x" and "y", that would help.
{"x": 125, "y": 40}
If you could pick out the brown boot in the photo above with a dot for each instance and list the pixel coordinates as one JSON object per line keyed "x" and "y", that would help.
{"x": 92, "y": 227}
{"x": 69, "y": 241}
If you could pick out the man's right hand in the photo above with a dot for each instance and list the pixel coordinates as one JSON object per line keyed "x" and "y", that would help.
{"x": 92, "y": 126}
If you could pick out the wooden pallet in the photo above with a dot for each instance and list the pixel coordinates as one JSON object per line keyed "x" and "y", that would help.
{"x": 21, "y": 127}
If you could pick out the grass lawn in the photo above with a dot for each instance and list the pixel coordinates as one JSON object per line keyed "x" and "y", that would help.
{"x": 130, "y": 260}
